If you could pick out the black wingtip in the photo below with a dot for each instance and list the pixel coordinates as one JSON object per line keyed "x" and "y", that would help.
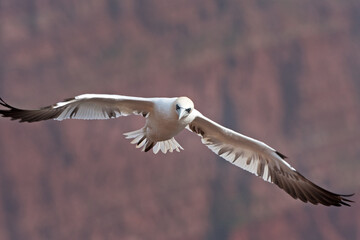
{"x": 9, "y": 109}
{"x": 23, "y": 115}
{"x": 280, "y": 155}
{"x": 347, "y": 195}
{"x": 3, "y": 103}
{"x": 342, "y": 200}
{"x": 345, "y": 201}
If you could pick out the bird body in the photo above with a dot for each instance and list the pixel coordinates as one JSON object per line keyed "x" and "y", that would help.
{"x": 164, "y": 123}
{"x": 165, "y": 118}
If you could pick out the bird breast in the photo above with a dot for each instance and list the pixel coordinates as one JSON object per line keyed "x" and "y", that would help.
{"x": 163, "y": 124}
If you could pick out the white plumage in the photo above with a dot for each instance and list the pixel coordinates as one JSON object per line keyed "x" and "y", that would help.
{"x": 165, "y": 118}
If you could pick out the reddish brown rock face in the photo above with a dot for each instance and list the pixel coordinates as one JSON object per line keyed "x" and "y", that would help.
{"x": 284, "y": 73}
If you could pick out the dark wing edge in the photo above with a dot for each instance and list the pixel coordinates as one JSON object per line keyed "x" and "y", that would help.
{"x": 23, "y": 115}
{"x": 299, "y": 187}
{"x": 293, "y": 183}
{"x": 86, "y": 106}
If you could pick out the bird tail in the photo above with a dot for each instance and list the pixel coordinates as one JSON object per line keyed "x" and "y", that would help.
{"x": 141, "y": 141}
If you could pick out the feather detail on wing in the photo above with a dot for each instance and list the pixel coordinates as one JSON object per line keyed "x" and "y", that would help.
{"x": 261, "y": 160}
{"x": 86, "y": 106}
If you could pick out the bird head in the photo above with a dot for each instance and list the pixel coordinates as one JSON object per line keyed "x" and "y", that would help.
{"x": 183, "y": 107}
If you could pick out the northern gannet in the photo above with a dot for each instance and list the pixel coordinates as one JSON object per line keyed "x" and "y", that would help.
{"x": 165, "y": 118}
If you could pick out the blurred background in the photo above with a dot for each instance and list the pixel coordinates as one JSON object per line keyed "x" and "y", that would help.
{"x": 284, "y": 72}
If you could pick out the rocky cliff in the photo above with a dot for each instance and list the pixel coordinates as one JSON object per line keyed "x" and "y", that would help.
{"x": 286, "y": 73}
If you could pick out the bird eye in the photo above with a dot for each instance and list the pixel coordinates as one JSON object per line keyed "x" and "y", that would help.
{"x": 188, "y": 110}
{"x": 177, "y": 107}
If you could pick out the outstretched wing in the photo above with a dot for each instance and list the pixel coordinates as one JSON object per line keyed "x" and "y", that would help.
{"x": 263, "y": 161}
{"x": 86, "y": 106}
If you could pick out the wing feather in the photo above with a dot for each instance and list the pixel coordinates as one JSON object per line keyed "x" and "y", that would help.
{"x": 261, "y": 160}
{"x": 86, "y": 106}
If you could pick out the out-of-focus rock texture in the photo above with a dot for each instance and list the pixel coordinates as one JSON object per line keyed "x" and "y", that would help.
{"x": 284, "y": 72}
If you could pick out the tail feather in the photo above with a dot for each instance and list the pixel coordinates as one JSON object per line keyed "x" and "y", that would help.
{"x": 141, "y": 141}
{"x": 167, "y": 145}
{"x": 134, "y": 134}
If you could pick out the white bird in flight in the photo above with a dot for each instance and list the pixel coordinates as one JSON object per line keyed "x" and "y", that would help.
{"x": 166, "y": 117}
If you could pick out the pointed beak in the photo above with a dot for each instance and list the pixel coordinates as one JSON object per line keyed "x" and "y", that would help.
{"x": 181, "y": 112}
